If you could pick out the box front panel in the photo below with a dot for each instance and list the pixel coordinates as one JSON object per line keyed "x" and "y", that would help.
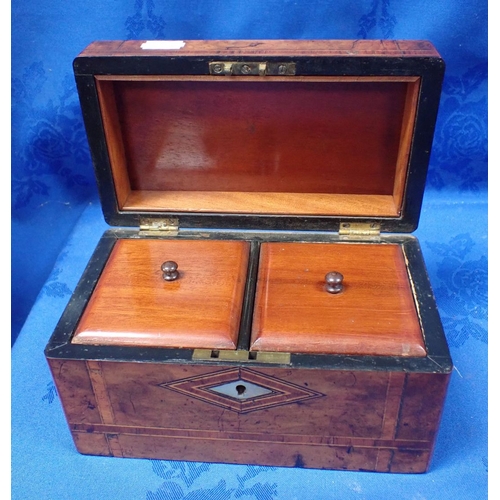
{"x": 187, "y": 398}
{"x": 245, "y": 414}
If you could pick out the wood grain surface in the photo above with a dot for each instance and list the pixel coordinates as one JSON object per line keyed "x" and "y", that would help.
{"x": 133, "y": 305}
{"x": 357, "y": 420}
{"x": 263, "y": 203}
{"x": 328, "y": 48}
{"x": 374, "y": 315}
{"x": 196, "y": 141}
{"x": 267, "y": 136}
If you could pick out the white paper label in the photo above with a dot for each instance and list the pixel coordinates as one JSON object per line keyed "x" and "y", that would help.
{"x": 163, "y": 45}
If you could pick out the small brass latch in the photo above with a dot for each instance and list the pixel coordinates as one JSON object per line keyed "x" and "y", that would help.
{"x": 225, "y": 68}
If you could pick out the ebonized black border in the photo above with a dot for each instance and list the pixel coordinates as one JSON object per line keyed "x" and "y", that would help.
{"x": 245, "y": 330}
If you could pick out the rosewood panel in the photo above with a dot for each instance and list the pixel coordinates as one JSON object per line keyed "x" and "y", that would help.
{"x": 182, "y": 397}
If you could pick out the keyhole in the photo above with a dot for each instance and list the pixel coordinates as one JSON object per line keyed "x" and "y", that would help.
{"x": 240, "y": 389}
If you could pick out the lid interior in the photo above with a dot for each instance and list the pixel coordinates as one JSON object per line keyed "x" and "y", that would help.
{"x": 259, "y": 145}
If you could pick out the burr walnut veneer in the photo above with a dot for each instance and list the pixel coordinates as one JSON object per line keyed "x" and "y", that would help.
{"x": 258, "y": 299}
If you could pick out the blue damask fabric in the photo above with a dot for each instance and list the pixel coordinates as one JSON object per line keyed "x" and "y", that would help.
{"x": 57, "y": 222}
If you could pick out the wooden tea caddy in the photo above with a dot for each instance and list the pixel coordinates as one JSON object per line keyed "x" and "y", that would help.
{"x": 258, "y": 168}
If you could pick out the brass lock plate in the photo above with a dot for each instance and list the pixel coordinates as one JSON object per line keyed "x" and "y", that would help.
{"x": 237, "y": 68}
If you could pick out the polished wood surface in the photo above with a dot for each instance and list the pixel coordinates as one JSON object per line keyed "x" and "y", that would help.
{"x": 192, "y": 141}
{"x": 375, "y": 314}
{"x": 263, "y": 203}
{"x": 114, "y": 142}
{"x": 327, "y": 48}
{"x": 357, "y": 420}
{"x": 133, "y": 305}
{"x": 264, "y": 136}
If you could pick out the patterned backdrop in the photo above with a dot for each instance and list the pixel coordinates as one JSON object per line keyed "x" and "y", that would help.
{"x": 56, "y": 223}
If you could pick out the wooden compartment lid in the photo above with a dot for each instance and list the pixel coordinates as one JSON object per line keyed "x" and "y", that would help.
{"x": 374, "y": 314}
{"x": 133, "y": 305}
{"x": 261, "y": 134}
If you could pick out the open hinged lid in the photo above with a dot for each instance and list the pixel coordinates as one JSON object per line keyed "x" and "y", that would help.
{"x": 261, "y": 134}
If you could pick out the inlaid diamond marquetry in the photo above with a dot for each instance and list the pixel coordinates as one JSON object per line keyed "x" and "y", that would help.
{"x": 241, "y": 390}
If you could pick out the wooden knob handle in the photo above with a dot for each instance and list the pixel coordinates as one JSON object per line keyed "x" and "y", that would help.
{"x": 334, "y": 282}
{"x": 169, "y": 269}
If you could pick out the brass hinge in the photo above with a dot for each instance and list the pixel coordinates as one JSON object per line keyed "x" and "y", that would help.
{"x": 282, "y": 358}
{"x": 359, "y": 230}
{"x": 225, "y": 68}
{"x": 159, "y": 227}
